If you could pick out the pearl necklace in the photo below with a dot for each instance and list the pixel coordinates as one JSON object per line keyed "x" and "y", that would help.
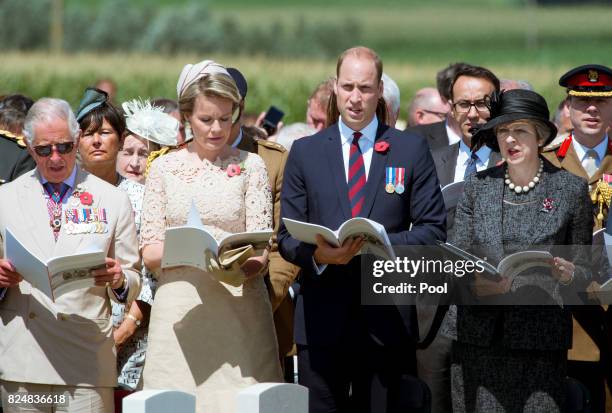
{"x": 524, "y": 189}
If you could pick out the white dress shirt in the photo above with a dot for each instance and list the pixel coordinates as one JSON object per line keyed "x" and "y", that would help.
{"x": 452, "y": 136}
{"x": 600, "y": 149}
{"x": 366, "y": 143}
{"x": 463, "y": 159}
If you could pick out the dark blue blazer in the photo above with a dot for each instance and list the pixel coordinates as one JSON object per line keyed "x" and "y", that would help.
{"x": 329, "y": 309}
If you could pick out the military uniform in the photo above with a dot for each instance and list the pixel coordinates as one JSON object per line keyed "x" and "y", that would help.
{"x": 14, "y": 158}
{"x": 281, "y": 273}
{"x": 562, "y": 154}
{"x": 591, "y": 353}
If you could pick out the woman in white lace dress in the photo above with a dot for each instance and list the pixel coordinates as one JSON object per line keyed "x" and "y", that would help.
{"x": 207, "y": 337}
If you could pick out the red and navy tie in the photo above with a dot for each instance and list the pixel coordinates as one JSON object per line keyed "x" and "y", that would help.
{"x": 356, "y": 176}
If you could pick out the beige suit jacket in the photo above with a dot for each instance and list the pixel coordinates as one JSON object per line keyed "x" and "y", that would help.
{"x": 68, "y": 342}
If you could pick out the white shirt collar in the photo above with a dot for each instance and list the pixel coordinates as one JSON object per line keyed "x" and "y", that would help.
{"x": 68, "y": 181}
{"x": 452, "y": 136}
{"x": 238, "y": 139}
{"x": 600, "y": 149}
{"x": 368, "y": 133}
{"x": 483, "y": 153}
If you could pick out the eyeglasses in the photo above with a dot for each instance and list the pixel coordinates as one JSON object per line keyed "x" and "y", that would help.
{"x": 61, "y": 148}
{"x": 464, "y": 106}
{"x": 441, "y": 115}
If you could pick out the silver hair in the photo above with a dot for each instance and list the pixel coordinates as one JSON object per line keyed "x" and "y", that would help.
{"x": 509, "y": 84}
{"x": 290, "y": 133}
{"x": 391, "y": 93}
{"x": 46, "y": 109}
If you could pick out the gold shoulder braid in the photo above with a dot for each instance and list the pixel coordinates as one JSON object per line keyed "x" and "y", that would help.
{"x": 601, "y": 196}
{"x": 17, "y": 138}
{"x": 153, "y": 156}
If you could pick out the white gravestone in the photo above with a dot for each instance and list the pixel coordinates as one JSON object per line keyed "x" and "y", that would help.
{"x": 273, "y": 398}
{"x": 159, "y": 401}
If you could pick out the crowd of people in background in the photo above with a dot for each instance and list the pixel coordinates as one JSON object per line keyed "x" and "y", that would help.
{"x": 137, "y": 168}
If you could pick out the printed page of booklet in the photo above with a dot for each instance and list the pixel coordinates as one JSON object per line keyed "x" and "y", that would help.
{"x": 185, "y": 245}
{"x": 59, "y": 275}
{"x": 510, "y": 266}
{"x": 377, "y": 240}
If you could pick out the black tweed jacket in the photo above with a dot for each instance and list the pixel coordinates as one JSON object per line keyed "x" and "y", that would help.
{"x": 478, "y": 228}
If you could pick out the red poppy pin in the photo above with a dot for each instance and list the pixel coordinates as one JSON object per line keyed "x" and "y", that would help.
{"x": 233, "y": 170}
{"x": 547, "y": 205}
{"x": 86, "y": 198}
{"x": 382, "y": 146}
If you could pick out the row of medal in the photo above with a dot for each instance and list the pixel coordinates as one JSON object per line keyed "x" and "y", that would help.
{"x": 86, "y": 221}
{"x": 395, "y": 180}
{"x": 86, "y": 228}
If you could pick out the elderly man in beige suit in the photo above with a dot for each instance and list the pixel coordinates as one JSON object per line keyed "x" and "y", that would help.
{"x": 62, "y": 350}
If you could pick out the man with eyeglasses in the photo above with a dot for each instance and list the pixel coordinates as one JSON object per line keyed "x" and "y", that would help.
{"x": 587, "y": 152}
{"x": 470, "y": 98}
{"x": 62, "y": 348}
{"x": 427, "y": 107}
{"x": 444, "y": 131}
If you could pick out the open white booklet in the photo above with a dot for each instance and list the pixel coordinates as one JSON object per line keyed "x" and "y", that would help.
{"x": 377, "y": 240}
{"x": 510, "y": 266}
{"x": 57, "y": 276}
{"x": 186, "y": 245}
{"x": 451, "y": 194}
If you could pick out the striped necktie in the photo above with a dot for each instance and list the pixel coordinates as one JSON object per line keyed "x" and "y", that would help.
{"x": 356, "y": 176}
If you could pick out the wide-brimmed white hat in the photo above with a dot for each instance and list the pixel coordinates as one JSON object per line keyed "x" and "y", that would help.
{"x": 150, "y": 122}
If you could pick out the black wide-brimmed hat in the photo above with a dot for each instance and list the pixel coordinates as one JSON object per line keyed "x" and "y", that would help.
{"x": 510, "y": 106}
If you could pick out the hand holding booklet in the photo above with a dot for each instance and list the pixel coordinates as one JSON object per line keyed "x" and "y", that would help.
{"x": 57, "y": 276}
{"x": 510, "y": 266}
{"x": 193, "y": 246}
{"x": 377, "y": 240}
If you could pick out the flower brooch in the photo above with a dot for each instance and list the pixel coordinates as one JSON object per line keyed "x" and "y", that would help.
{"x": 381, "y": 146}
{"x": 82, "y": 196}
{"x": 235, "y": 169}
{"x": 547, "y": 205}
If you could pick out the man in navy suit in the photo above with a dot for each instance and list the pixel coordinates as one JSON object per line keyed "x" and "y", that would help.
{"x": 346, "y": 348}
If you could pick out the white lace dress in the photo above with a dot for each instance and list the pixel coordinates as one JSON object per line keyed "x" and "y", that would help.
{"x": 207, "y": 337}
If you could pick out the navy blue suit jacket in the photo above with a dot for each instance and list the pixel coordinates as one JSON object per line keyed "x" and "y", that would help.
{"x": 314, "y": 190}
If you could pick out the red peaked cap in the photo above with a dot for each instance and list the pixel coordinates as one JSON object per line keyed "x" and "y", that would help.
{"x": 588, "y": 80}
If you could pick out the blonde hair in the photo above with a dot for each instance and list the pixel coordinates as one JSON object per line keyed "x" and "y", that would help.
{"x": 212, "y": 85}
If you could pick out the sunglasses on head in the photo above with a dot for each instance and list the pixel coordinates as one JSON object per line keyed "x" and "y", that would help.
{"x": 61, "y": 148}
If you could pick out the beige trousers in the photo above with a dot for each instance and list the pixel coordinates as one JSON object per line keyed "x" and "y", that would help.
{"x": 46, "y": 398}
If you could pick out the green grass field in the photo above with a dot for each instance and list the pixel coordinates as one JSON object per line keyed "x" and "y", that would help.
{"x": 414, "y": 39}
{"x": 284, "y": 83}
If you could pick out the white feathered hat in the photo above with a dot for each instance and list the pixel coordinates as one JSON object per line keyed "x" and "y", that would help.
{"x": 150, "y": 122}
